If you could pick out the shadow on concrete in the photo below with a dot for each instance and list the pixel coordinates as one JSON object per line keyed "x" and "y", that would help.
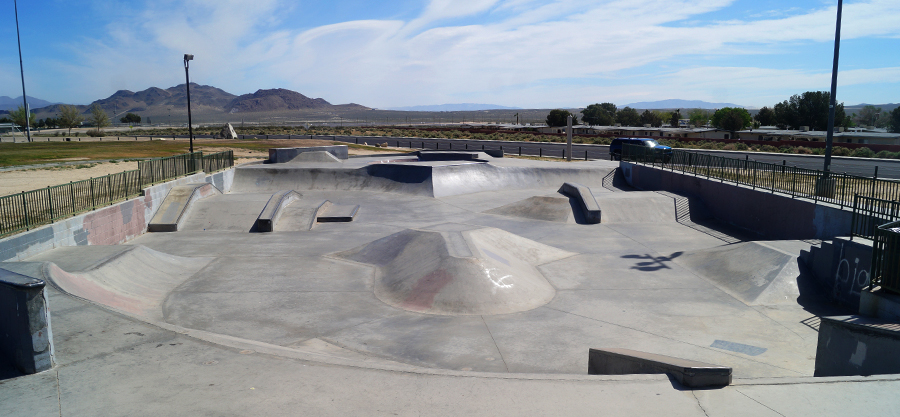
{"x": 815, "y": 297}
{"x": 615, "y": 181}
{"x": 653, "y": 263}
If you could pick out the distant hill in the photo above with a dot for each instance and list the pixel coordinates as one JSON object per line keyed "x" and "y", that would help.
{"x": 454, "y": 107}
{"x": 681, "y": 104}
{"x": 8, "y": 103}
{"x": 204, "y": 98}
{"x": 274, "y": 99}
{"x": 857, "y": 107}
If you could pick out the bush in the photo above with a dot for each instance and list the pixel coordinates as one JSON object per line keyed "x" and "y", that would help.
{"x": 730, "y": 147}
{"x": 886, "y": 155}
{"x": 768, "y": 148}
{"x": 741, "y": 147}
{"x": 95, "y": 133}
{"x": 863, "y": 153}
{"x": 802, "y": 150}
{"x": 840, "y": 151}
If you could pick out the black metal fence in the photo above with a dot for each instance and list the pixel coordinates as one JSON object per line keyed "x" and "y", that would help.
{"x": 886, "y": 257}
{"x": 29, "y": 209}
{"x": 837, "y": 188}
{"x": 869, "y": 213}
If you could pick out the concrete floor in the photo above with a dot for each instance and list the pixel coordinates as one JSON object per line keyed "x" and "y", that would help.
{"x": 282, "y": 324}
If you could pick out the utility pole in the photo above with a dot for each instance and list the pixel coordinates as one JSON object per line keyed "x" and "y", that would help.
{"x": 569, "y": 138}
{"x": 825, "y": 186}
{"x": 187, "y": 77}
{"x": 22, "y": 72}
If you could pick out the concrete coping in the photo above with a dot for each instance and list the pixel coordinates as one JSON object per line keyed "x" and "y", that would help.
{"x": 689, "y": 373}
{"x": 274, "y": 209}
{"x": 881, "y": 326}
{"x": 585, "y": 198}
{"x": 19, "y": 281}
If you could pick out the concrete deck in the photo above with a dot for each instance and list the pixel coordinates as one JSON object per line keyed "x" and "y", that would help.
{"x": 290, "y": 322}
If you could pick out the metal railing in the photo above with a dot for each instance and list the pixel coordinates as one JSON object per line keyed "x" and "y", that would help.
{"x": 29, "y": 209}
{"x": 886, "y": 257}
{"x": 838, "y": 188}
{"x": 869, "y": 213}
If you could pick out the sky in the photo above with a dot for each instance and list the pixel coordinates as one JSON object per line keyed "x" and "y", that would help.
{"x": 519, "y": 53}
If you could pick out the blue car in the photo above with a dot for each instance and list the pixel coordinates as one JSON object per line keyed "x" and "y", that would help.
{"x": 615, "y": 148}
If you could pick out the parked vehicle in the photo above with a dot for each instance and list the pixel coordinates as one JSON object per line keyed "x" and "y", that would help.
{"x": 615, "y": 148}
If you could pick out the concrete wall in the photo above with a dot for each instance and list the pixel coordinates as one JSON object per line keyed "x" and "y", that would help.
{"x": 111, "y": 225}
{"x": 773, "y": 215}
{"x": 854, "y": 345}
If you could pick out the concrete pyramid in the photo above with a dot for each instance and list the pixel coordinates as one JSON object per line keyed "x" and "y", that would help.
{"x": 459, "y": 270}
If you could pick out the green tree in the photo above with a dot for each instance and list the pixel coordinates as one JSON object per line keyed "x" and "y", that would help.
{"x": 560, "y": 118}
{"x": 651, "y": 118}
{"x": 808, "y": 109}
{"x": 131, "y": 118}
{"x": 895, "y": 120}
{"x": 18, "y": 117}
{"x": 599, "y": 114}
{"x": 69, "y": 117}
{"x": 699, "y": 117}
{"x": 868, "y": 116}
{"x": 731, "y": 119}
{"x": 766, "y": 117}
{"x": 99, "y": 118}
{"x": 628, "y": 117}
{"x": 675, "y": 118}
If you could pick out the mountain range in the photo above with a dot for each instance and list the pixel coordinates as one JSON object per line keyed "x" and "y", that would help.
{"x": 681, "y": 104}
{"x": 8, "y": 103}
{"x": 203, "y": 98}
{"x": 454, "y": 107}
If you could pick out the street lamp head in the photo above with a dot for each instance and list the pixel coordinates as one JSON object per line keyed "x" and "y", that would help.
{"x": 188, "y": 57}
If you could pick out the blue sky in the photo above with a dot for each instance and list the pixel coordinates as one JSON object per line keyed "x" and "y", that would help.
{"x": 524, "y": 53}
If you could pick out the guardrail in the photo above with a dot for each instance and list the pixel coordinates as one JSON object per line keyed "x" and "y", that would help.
{"x": 837, "y": 188}
{"x": 886, "y": 257}
{"x": 869, "y": 213}
{"x": 29, "y": 209}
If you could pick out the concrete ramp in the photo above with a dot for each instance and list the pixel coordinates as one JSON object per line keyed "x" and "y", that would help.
{"x": 590, "y": 211}
{"x": 459, "y": 272}
{"x": 136, "y": 281}
{"x": 551, "y": 209}
{"x": 329, "y": 212}
{"x": 637, "y": 207}
{"x": 175, "y": 208}
{"x": 274, "y": 209}
{"x": 316, "y": 156}
{"x": 753, "y": 272}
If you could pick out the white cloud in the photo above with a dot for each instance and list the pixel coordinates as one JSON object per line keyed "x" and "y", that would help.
{"x": 524, "y": 52}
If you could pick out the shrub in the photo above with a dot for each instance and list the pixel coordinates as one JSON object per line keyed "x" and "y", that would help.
{"x": 741, "y": 147}
{"x": 840, "y": 151}
{"x": 863, "y": 153}
{"x": 802, "y": 150}
{"x": 768, "y": 148}
{"x": 95, "y": 133}
{"x": 886, "y": 155}
{"x": 730, "y": 147}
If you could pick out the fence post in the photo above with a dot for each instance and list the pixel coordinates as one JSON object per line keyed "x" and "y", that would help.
{"x": 874, "y": 180}
{"x": 25, "y": 210}
{"x": 93, "y": 200}
{"x": 72, "y": 192}
{"x": 50, "y": 202}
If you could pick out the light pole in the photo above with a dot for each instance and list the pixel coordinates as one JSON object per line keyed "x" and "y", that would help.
{"x": 187, "y": 78}
{"x": 825, "y": 187}
{"x": 22, "y": 71}
{"x": 829, "y": 136}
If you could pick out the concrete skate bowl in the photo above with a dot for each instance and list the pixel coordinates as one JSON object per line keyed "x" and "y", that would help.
{"x": 134, "y": 281}
{"x": 435, "y": 179}
{"x": 459, "y": 270}
{"x": 752, "y": 272}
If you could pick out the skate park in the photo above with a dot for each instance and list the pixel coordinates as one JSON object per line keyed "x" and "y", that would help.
{"x": 432, "y": 282}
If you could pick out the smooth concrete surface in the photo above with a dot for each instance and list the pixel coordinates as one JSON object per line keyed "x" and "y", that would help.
{"x": 178, "y": 203}
{"x": 691, "y": 374}
{"x": 282, "y": 155}
{"x": 281, "y": 324}
{"x": 274, "y": 208}
{"x": 589, "y": 207}
{"x": 855, "y": 345}
{"x": 880, "y": 304}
